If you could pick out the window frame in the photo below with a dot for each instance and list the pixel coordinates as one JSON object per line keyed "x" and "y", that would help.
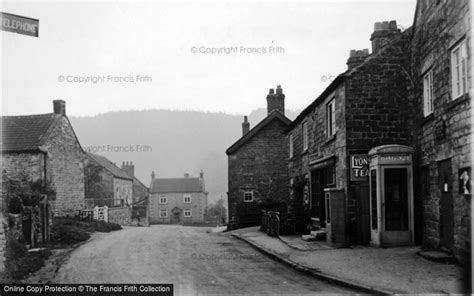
{"x": 304, "y": 128}
{"x": 185, "y": 196}
{"x": 161, "y": 214}
{"x": 291, "y": 145}
{"x": 165, "y": 199}
{"x": 251, "y": 194}
{"x": 458, "y": 76}
{"x": 428, "y": 94}
{"x": 331, "y": 118}
{"x": 187, "y": 211}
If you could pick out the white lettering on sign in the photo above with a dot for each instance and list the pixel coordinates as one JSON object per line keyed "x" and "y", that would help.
{"x": 19, "y": 24}
{"x": 395, "y": 157}
{"x": 359, "y": 166}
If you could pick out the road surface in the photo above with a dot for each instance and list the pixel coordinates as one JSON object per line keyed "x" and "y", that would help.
{"x": 195, "y": 261}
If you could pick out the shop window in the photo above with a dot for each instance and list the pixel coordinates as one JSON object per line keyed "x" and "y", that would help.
{"x": 329, "y": 176}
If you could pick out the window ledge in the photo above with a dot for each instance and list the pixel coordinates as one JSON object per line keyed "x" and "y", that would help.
{"x": 461, "y": 99}
{"x": 329, "y": 140}
{"x": 304, "y": 152}
{"x": 427, "y": 119}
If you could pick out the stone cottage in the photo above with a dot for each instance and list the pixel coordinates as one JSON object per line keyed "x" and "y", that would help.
{"x": 364, "y": 107}
{"x": 108, "y": 185}
{"x": 45, "y": 147}
{"x": 140, "y": 191}
{"x": 441, "y": 64}
{"x": 178, "y": 200}
{"x": 257, "y": 164}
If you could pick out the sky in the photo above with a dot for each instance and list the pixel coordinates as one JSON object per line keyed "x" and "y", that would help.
{"x": 224, "y": 56}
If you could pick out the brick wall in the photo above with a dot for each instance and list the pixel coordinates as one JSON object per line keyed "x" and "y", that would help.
{"x": 65, "y": 167}
{"x": 259, "y": 165}
{"x": 446, "y": 134}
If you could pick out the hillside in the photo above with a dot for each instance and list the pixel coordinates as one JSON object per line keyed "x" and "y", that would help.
{"x": 170, "y": 143}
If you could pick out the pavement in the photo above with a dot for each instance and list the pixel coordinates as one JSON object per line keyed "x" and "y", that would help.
{"x": 197, "y": 260}
{"x": 367, "y": 269}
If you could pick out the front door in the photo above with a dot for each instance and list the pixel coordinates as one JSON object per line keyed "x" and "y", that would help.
{"x": 395, "y": 206}
{"x": 318, "y": 208}
{"x": 176, "y": 216}
{"x": 446, "y": 204}
{"x": 361, "y": 193}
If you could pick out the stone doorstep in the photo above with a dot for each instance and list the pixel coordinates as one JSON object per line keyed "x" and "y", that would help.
{"x": 437, "y": 256}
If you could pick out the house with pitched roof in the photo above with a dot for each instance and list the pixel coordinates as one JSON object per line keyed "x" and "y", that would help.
{"x": 107, "y": 184}
{"x": 178, "y": 200}
{"x": 257, "y": 164}
{"x": 45, "y": 147}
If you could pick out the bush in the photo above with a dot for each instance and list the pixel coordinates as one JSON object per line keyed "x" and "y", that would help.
{"x": 71, "y": 230}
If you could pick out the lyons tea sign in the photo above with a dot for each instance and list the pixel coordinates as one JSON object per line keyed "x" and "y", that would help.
{"x": 359, "y": 166}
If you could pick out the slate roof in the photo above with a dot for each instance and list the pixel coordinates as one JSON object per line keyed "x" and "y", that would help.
{"x": 176, "y": 185}
{"x": 26, "y": 133}
{"x": 110, "y": 166}
{"x": 273, "y": 115}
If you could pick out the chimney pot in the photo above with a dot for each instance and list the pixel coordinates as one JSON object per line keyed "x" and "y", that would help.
{"x": 356, "y": 57}
{"x": 59, "y": 107}
{"x": 384, "y": 32}
{"x": 276, "y": 101}
{"x": 271, "y": 91}
{"x": 245, "y": 126}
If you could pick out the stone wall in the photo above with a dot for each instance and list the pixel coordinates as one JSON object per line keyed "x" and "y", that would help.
{"x": 121, "y": 216}
{"x": 65, "y": 168}
{"x": 176, "y": 200}
{"x": 446, "y": 134}
{"x": 29, "y": 164}
{"x": 140, "y": 191}
{"x": 259, "y": 165}
{"x": 99, "y": 183}
{"x": 123, "y": 190}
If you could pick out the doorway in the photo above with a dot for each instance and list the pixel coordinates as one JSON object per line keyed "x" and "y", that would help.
{"x": 446, "y": 204}
{"x": 176, "y": 216}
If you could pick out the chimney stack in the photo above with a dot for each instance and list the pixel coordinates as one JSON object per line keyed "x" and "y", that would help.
{"x": 153, "y": 175}
{"x": 129, "y": 168}
{"x": 357, "y": 57}
{"x": 276, "y": 101}
{"x": 245, "y": 126}
{"x": 201, "y": 175}
{"x": 59, "y": 107}
{"x": 384, "y": 32}
{"x": 186, "y": 175}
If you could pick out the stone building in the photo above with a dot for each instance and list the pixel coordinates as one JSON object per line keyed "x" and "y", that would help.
{"x": 108, "y": 185}
{"x": 364, "y": 107}
{"x": 441, "y": 66}
{"x": 140, "y": 191}
{"x": 178, "y": 200}
{"x": 45, "y": 147}
{"x": 257, "y": 164}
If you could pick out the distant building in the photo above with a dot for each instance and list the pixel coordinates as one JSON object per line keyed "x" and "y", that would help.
{"x": 178, "y": 200}
{"x": 45, "y": 147}
{"x": 257, "y": 164}
{"x": 140, "y": 191}
{"x": 108, "y": 185}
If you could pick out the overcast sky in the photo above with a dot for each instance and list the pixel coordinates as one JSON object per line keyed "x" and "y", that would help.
{"x": 162, "y": 53}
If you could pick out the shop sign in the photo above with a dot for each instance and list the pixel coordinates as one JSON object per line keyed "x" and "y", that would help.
{"x": 359, "y": 167}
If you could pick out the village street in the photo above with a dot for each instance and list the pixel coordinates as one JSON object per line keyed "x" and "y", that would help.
{"x": 194, "y": 260}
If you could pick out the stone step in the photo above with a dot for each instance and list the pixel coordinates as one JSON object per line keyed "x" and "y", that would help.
{"x": 437, "y": 256}
{"x": 319, "y": 234}
{"x": 308, "y": 238}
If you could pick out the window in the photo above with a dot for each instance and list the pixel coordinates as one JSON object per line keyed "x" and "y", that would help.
{"x": 291, "y": 145}
{"x": 187, "y": 213}
{"x": 187, "y": 198}
{"x": 163, "y": 199}
{"x": 248, "y": 196}
{"x": 305, "y": 136}
{"x": 163, "y": 214}
{"x": 458, "y": 70}
{"x": 329, "y": 176}
{"x": 331, "y": 118}
{"x": 428, "y": 93}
